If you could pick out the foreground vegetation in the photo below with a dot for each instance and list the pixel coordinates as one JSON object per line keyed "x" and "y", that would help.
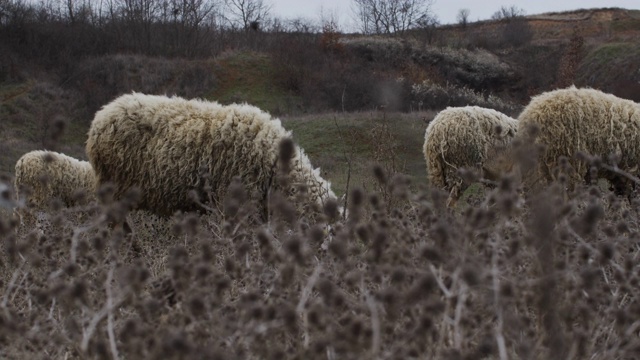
{"x": 552, "y": 276}
{"x": 549, "y": 275}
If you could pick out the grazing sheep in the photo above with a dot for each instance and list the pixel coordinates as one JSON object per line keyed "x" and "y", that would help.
{"x": 464, "y": 137}
{"x": 42, "y": 176}
{"x": 571, "y": 121}
{"x": 169, "y": 147}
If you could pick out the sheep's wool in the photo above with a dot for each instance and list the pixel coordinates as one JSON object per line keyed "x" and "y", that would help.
{"x": 575, "y": 120}
{"x": 50, "y": 175}
{"x": 164, "y": 146}
{"x": 464, "y": 137}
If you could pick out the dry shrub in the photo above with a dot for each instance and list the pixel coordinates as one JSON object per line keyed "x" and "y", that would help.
{"x": 101, "y": 79}
{"x": 552, "y": 277}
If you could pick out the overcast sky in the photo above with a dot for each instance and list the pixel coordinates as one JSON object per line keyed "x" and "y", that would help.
{"x": 446, "y": 10}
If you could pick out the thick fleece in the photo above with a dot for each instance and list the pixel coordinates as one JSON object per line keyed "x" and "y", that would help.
{"x": 168, "y": 147}
{"x": 46, "y": 175}
{"x": 464, "y": 137}
{"x": 573, "y": 120}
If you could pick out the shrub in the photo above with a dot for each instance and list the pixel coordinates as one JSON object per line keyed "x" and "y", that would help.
{"x": 434, "y": 96}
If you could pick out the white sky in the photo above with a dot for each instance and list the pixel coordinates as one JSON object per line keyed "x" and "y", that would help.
{"x": 446, "y": 10}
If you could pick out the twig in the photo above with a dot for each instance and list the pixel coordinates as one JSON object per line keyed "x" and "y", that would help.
{"x": 589, "y": 246}
{"x": 502, "y": 346}
{"x": 462, "y": 297}
{"x": 24, "y": 276}
{"x": 375, "y": 322}
{"x": 95, "y": 321}
{"x": 444, "y": 289}
{"x": 110, "y": 331}
{"x": 306, "y": 292}
{"x": 617, "y": 170}
{"x": 348, "y": 159}
{"x": 53, "y": 306}
{"x": 74, "y": 239}
{"x": 11, "y": 284}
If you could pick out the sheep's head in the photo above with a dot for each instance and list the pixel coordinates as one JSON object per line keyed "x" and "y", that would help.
{"x": 299, "y": 181}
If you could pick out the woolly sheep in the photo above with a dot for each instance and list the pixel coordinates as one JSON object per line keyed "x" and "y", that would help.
{"x": 45, "y": 175}
{"x": 464, "y": 137}
{"x": 160, "y": 145}
{"x": 572, "y": 120}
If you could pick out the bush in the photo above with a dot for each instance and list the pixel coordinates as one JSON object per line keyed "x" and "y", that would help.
{"x": 100, "y": 80}
{"x": 434, "y": 96}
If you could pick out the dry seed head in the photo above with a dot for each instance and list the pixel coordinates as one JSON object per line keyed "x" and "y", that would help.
{"x": 106, "y": 193}
{"x": 431, "y": 254}
{"x": 202, "y": 271}
{"x": 470, "y": 276}
{"x": 606, "y": 252}
{"x": 190, "y": 224}
{"x": 589, "y": 277}
{"x": 331, "y": 209}
{"x": 357, "y": 196}
{"x": 286, "y": 152}
{"x": 421, "y": 288}
{"x": 316, "y": 234}
{"x": 363, "y": 233}
{"x": 289, "y": 316}
{"x": 78, "y": 290}
{"x": 287, "y": 273}
{"x": 380, "y": 174}
{"x": 398, "y": 275}
{"x": 338, "y": 247}
{"x": 326, "y": 289}
{"x": 264, "y": 239}
{"x": 293, "y": 246}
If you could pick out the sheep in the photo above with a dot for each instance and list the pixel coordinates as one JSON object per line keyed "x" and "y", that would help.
{"x": 572, "y": 121}
{"x": 44, "y": 176}
{"x": 168, "y": 147}
{"x": 465, "y": 137}
{"x": 41, "y": 176}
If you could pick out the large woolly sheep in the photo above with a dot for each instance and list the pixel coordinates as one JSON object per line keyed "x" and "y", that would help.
{"x": 464, "y": 137}
{"x": 42, "y": 176}
{"x": 162, "y": 145}
{"x": 571, "y": 121}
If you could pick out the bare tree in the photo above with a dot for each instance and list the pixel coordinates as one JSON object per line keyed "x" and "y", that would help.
{"x": 510, "y": 12}
{"x": 428, "y": 25}
{"x": 248, "y": 13}
{"x": 517, "y": 31}
{"x": 390, "y": 16}
{"x": 188, "y": 18}
{"x": 463, "y": 17}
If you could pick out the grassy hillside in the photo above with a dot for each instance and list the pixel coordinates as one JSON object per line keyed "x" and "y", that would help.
{"x": 333, "y": 141}
{"x": 250, "y": 77}
{"x": 358, "y": 72}
{"x": 612, "y": 67}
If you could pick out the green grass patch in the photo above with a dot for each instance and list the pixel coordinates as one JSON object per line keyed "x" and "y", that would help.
{"x": 612, "y": 52}
{"x": 472, "y": 196}
{"x": 634, "y": 13}
{"x": 9, "y": 91}
{"x": 330, "y": 139}
{"x": 27, "y": 110}
{"x": 249, "y": 77}
{"x": 629, "y": 24}
{"x": 609, "y": 63}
